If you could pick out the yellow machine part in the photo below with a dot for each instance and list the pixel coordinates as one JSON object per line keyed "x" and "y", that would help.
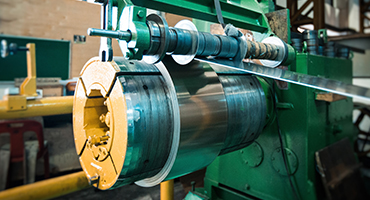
{"x": 38, "y": 107}
{"x": 163, "y": 125}
{"x": 49, "y": 188}
{"x": 97, "y": 125}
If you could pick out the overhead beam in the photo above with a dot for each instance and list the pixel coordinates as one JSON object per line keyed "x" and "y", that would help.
{"x": 319, "y": 14}
{"x": 303, "y": 21}
{"x": 292, "y": 5}
{"x": 301, "y": 9}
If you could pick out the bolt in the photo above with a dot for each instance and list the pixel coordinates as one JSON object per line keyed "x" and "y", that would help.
{"x": 278, "y": 150}
{"x": 246, "y": 162}
{"x": 140, "y": 14}
{"x": 278, "y": 170}
{"x": 241, "y": 151}
{"x": 104, "y": 138}
{"x": 94, "y": 179}
{"x": 272, "y": 158}
{"x": 102, "y": 118}
{"x": 289, "y": 153}
{"x": 105, "y": 103}
{"x": 136, "y": 115}
{"x": 247, "y": 186}
{"x": 94, "y": 140}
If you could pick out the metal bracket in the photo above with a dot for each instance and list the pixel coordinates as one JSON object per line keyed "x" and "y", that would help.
{"x": 28, "y": 87}
{"x": 322, "y": 34}
{"x": 106, "y": 51}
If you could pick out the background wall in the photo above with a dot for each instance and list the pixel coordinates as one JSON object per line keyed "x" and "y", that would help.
{"x": 63, "y": 19}
{"x": 52, "y": 19}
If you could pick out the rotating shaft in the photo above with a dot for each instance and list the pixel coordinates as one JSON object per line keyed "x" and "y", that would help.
{"x": 181, "y": 41}
{"x": 185, "y": 41}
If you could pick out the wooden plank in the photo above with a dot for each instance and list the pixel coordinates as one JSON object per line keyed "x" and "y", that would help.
{"x": 329, "y": 97}
{"x": 278, "y": 21}
{"x": 340, "y": 172}
{"x": 172, "y": 19}
{"x": 55, "y": 20}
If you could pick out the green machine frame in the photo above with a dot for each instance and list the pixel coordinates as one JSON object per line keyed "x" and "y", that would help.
{"x": 307, "y": 125}
{"x": 244, "y": 14}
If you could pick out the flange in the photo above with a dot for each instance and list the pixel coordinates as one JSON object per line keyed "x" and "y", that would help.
{"x": 282, "y": 55}
{"x": 164, "y": 39}
{"x": 186, "y": 59}
{"x": 96, "y": 124}
{"x": 113, "y": 114}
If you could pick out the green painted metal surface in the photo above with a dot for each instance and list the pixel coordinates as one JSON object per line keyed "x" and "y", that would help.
{"x": 243, "y": 14}
{"x": 307, "y": 125}
{"x": 52, "y": 58}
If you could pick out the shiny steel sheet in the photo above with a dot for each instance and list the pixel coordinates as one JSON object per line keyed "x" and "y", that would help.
{"x": 203, "y": 114}
{"x": 337, "y": 87}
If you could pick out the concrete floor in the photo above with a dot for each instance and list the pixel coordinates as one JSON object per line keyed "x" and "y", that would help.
{"x": 129, "y": 192}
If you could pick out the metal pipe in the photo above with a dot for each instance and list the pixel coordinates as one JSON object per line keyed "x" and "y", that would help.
{"x": 167, "y": 190}
{"x": 49, "y": 188}
{"x": 39, "y": 107}
{"x": 122, "y": 35}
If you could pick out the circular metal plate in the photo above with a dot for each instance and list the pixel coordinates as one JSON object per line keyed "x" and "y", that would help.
{"x": 165, "y": 39}
{"x": 278, "y": 161}
{"x": 185, "y": 59}
{"x": 252, "y": 155}
{"x": 158, "y": 178}
{"x": 96, "y": 124}
{"x": 281, "y": 56}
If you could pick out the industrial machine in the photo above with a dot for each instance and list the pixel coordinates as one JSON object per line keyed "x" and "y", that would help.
{"x": 180, "y": 100}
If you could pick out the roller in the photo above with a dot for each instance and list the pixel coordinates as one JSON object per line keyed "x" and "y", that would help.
{"x": 146, "y": 123}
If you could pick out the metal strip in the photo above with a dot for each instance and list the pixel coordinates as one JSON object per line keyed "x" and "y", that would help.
{"x": 315, "y": 82}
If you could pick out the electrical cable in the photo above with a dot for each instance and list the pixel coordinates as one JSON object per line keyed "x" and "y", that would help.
{"x": 219, "y": 13}
{"x": 296, "y": 195}
{"x": 365, "y": 142}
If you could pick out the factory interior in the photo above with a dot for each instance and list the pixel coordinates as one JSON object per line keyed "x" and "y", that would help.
{"x": 185, "y": 99}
